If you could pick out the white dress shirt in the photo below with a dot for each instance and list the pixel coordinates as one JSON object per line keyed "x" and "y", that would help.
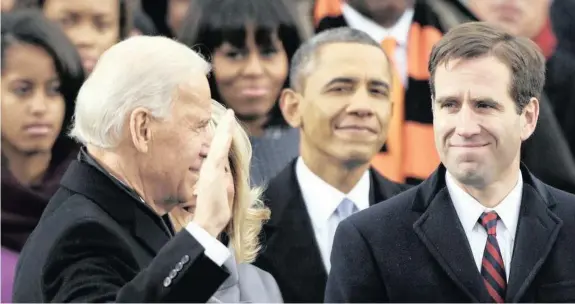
{"x": 214, "y": 249}
{"x": 322, "y": 200}
{"x": 399, "y": 31}
{"x": 469, "y": 210}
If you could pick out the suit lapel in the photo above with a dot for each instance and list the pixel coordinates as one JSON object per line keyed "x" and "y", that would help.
{"x": 149, "y": 230}
{"x": 381, "y": 188}
{"x": 537, "y": 231}
{"x": 291, "y": 242}
{"x": 132, "y": 214}
{"x": 440, "y": 230}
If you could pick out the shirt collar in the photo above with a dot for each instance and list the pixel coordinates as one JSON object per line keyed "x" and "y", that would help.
{"x": 322, "y": 199}
{"x": 399, "y": 31}
{"x": 469, "y": 209}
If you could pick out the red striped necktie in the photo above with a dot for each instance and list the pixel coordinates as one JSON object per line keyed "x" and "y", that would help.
{"x": 492, "y": 267}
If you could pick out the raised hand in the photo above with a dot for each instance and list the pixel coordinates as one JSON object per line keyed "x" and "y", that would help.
{"x": 212, "y": 210}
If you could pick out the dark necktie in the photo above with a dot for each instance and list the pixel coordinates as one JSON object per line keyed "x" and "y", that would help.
{"x": 492, "y": 267}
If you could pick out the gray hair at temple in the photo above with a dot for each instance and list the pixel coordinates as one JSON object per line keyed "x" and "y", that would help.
{"x": 303, "y": 60}
{"x": 137, "y": 72}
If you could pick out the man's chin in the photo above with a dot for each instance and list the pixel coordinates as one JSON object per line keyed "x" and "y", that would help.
{"x": 473, "y": 177}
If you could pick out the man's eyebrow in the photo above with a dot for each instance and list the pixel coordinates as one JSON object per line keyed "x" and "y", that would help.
{"x": 445, "y": 99}
{"x": 380, "y": 83}
{"x": 341, "y": 80}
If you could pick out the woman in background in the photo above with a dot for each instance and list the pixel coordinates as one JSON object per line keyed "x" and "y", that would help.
{"x": 41, "y": 75}
{"x": 246, "y": 282}
{"x": 92, "y": 25}
{"x": 250, "y": 43}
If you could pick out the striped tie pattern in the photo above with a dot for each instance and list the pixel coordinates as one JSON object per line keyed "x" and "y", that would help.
{"x": 492, "y": 267}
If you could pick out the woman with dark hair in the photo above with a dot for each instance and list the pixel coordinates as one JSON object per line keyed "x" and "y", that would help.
{"x": 41, "y": 75}
{"x": 250, "y": 43}
{"x": 93, "y": 26}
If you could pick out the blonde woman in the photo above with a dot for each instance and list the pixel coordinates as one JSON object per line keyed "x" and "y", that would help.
{"x": 246, "y": 283}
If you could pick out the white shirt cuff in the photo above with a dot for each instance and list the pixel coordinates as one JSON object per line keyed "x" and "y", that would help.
{"x": 214, "y": 249}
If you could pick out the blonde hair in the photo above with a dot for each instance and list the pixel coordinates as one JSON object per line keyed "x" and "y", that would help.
{"x": 248, "y": 210}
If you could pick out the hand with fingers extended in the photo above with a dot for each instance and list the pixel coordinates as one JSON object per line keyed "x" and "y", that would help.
{"x": 212, "y": 210}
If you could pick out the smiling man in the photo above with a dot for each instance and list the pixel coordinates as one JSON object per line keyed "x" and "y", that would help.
{"x": 340, "y": 101}
{"x": 481, "y": 227}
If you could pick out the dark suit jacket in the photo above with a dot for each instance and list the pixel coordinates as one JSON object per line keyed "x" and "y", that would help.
{"x": 412, "y": 248}
{"x": 290, "y": 251}
{"x": 97, "y": 243}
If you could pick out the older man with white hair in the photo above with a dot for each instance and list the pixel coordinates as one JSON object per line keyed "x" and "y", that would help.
{"x": 142, "y": 117}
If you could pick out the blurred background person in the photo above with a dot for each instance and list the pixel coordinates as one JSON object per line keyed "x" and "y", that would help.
{"x": 531, "y": 19}
{"x": 246, "y": 282}
{"x": 7, "y": 5}
{"x": 251, "y": 43}
{"x": 563, "y": 21}
{"x": 41, "y": 76}
{"x": 168, "y": 15}
{"x": 93, "y": 26}
{"x": 142, "y": 24}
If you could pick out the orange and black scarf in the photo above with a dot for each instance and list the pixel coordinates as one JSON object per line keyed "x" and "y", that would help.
{"x": 409, "y": 154}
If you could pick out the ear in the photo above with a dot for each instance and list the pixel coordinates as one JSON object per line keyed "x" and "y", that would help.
{"x": 290, "y": 105}
{"x": 529, "y": 118}
{"x": 140, "y": 129}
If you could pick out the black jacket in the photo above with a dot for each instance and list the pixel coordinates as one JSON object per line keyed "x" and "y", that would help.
{"x": 97, "y": 242}
{"x": 412, "y": 248}
{"x": 290, "y": 251}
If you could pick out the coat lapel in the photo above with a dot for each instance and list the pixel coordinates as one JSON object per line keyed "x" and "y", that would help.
{"x": 381, "y": 188}
{"x": 290, "y": 244}
{"x": 85, "y": 179}
{"x": 537, "y": 231}
{"x": 440, "y": 230}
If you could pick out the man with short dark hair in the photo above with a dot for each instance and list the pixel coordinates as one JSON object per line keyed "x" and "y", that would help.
{"x": 340, "y": 100}
{"x": 531, "y": 19}
{"x": 482, "y": 228}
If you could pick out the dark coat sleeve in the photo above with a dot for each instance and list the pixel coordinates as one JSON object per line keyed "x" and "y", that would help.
{"x": 353, "y": 277}
{"x": 102, "y": 269}
{"x": 547, "y": 154}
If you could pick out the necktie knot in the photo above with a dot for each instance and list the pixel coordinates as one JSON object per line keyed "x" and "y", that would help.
{"x": 346, "y": 208}
{"x": 489, "y": 221}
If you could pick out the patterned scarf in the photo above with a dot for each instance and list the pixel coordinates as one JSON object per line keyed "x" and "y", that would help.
{"x": 409, "y": 154}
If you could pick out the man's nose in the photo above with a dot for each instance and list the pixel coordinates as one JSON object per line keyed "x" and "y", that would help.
{"x": 360, "y": 104}
{"x": 467, "y": 123}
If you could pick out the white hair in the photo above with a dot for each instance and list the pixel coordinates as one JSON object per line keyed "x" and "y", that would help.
{"x": 137, "y": 72}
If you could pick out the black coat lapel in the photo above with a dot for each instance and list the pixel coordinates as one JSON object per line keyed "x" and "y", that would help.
{"x": 440, "y": 230}
{"x": 382, "y": 189}
{"x": 147, "y": 226}
{"x": 290, "y": 245}
{"x": 537, "y": 231}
